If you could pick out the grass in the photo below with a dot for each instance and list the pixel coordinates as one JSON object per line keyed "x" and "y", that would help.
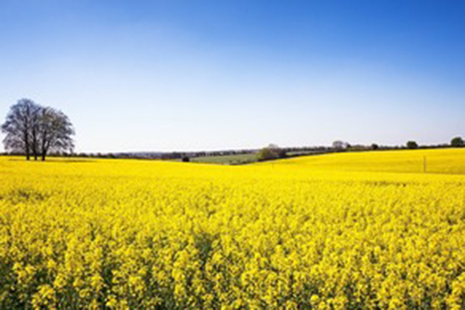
{"x": 227, "y": 159}
{"x": 240, "y": 159}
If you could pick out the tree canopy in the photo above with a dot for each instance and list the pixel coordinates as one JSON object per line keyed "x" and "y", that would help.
{"x": 457, "y": 142}
{"x": 271, "y": 152}
{"x": 412, "y": 145}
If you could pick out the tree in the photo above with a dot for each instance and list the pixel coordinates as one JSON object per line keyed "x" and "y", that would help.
{"x": 20, "y": 128}
{"x": 412, "y": 145}
{"x": 266, "y": 153}
{"x": 271, "y": 152}
{"x": 55, "y": 131}
{"x": 282, "y": 153}
{"x": 375, "y": 146}
{"x": 340, "y": 145}
{"x": 33, "y": 129}
{"x": 457, "y": 142}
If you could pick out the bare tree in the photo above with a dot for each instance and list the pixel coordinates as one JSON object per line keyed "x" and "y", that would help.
{"x": 55, "y": 131}
{"x": 340, "y": 145}
{"x": 18, "y": 127}
{"x": 33, "y": 129}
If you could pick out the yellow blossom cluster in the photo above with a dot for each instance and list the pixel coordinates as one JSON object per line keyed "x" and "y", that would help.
{"x": 304, "y": 233}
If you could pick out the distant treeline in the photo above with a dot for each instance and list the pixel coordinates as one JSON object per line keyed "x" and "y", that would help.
{"x": 285, "y": 151}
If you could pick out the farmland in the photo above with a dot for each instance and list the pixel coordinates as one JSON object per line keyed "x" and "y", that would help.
{"x": 227, "y": 159}
{"x": 360, "y": 230}
{"x": 241, "y": 159}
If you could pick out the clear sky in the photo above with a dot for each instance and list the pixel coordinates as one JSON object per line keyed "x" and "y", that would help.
{"x": 203, "y": 75}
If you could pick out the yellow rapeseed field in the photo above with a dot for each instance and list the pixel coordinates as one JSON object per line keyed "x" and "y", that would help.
{"x": 342, "y": 231}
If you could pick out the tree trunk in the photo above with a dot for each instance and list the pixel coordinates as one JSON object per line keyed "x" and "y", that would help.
{"x": 34, "y": 149}
{"x": 27, "y": 151}
{"x": 44, "y": 145}
{"x": 35, "y": 142}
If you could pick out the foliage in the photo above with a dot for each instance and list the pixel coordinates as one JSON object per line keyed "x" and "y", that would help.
{"x": 457, "y": 142}
{"x": 412, "y": 145}
{"x": 270, "y": 153}
{"x": 267, "y": 154}
{"x": 326, "y": 232}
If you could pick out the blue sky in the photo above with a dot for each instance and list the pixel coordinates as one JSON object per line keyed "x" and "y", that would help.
{"x": 205, "y": 75}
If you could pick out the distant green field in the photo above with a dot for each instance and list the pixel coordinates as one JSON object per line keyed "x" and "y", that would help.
{"x": 238, "y": 159}
{"x": 227, "y": 159}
